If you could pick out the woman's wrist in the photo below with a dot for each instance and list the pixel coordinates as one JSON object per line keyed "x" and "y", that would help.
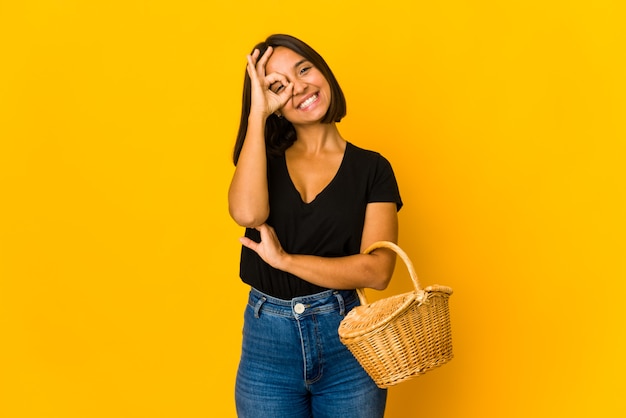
{"x": 257, "y": 116}
{"x": 283, "y": 261}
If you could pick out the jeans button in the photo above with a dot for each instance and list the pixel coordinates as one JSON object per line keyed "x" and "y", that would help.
{"x": 299, "y": 308}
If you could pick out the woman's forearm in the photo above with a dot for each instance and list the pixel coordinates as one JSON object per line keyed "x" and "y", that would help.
{"x": 356, "y": 271}
{"x": 372, "y": 270}
{"x": 248, "y": 201}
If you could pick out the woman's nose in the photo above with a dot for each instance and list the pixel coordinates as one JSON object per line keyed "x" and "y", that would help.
{"x": 299, "y": 87}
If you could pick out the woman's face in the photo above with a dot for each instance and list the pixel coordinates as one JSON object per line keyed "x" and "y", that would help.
{"x": 311, "y": 92}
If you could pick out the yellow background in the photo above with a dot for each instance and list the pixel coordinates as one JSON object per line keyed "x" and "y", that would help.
{"x": 505, "y": 124}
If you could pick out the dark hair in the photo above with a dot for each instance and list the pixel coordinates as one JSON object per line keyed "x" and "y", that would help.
{"x": 279, "y": 132}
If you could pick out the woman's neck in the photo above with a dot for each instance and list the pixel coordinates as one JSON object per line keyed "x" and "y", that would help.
{"x": 312, "y": 139}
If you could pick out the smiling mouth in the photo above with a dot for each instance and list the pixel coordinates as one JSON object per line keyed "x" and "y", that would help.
{"x": 308, "y": 102}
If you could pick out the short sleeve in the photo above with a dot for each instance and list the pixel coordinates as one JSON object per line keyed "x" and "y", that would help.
{"x": 384, "y": 187}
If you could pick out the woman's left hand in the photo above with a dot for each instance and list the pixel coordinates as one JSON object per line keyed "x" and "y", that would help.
{"x": 269, "y": 249}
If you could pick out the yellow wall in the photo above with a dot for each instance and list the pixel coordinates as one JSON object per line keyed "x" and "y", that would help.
{"x": 505, "y": 123}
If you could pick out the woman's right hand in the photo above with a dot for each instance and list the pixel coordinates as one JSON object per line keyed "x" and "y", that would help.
{"x": 271, "y": 91}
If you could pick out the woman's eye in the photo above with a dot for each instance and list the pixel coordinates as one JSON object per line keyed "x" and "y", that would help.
{"x": 277, "y": 88}
{"x": 303, "y": 70}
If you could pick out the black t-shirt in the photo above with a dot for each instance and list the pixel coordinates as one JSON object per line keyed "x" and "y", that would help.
{"x": 329, "y": 226}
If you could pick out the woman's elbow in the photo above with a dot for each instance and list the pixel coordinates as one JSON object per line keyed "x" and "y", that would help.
{"x": 381, "y": 282}
{"x": 248, "y": 219}
{"x": 381, "y": 275}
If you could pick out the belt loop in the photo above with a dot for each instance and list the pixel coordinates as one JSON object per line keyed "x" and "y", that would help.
{"x": 257, "y": 307}
{"x": 342, "y": 306}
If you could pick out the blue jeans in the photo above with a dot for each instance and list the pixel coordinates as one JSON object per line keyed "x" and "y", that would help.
{"x": 293, "y": 364}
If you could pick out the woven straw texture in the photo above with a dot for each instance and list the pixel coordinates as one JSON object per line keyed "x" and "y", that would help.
{"x": 403, "y": 336}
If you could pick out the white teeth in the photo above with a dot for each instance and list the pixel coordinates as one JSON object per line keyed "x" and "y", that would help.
{"x": 308, "y": 101}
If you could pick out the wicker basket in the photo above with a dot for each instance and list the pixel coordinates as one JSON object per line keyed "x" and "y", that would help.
{"x": 403, "y": 336}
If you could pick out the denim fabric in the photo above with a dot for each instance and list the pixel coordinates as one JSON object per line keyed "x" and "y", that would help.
{"x": 293, "y": 364}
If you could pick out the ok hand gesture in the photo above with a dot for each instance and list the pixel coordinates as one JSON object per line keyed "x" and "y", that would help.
{"x": 271, "y": 91}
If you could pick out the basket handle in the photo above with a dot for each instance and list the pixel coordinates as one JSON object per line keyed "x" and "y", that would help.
{"x": 390, "y": 245}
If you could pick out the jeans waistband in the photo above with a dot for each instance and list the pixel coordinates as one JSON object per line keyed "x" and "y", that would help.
{"x": 324, "y": 302}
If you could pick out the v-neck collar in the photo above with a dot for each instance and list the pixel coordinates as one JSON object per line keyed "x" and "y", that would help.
{"x": 325, "y": 188}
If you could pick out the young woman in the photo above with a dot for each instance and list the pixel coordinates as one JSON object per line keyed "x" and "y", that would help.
{"x": 311, "y": 202}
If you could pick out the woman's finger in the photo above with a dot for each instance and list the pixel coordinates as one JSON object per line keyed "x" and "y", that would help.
{"x": 251, "y": 67}
{"x": 260, "y": 64}
{"x": 248, "y": 243}
{"x": 286, "y": 93}
{"x": 274, "y": 78}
